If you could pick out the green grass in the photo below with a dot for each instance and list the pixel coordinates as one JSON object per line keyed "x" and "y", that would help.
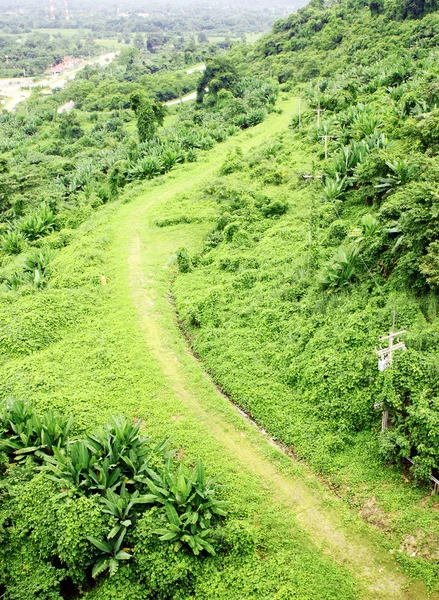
{"x": 299, "y": 361}
{"x": 91, "y": 350}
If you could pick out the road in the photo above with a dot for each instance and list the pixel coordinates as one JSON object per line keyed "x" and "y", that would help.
{"x": 188, "y": 98}
{"x": 17, "y": 90}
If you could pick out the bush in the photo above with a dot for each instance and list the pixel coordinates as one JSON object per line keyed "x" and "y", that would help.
{"x": 105, "y": 480}
{"x": 341, "y": 270}
{"x": 12, "y": 242}
{"x": 183, "y": 260}
{"x": 38, "y": 223}
{"x": 275, "y": 208}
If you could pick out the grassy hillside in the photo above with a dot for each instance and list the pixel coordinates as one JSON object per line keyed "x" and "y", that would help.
{"x": 286, "y": 299}
{"x": 117, "y": 231}
{"x": 113, "y": 351}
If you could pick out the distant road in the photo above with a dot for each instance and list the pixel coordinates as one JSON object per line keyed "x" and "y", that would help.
{"x": 195, "y": 69}
{"x": 192, "y": 95}
{"x": 187, "y": 98}
{"x": 13, "y": 90}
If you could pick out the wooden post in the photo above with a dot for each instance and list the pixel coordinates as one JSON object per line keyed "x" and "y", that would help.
{"x": 326, "y": 138}
{"x": 319, "y": 111}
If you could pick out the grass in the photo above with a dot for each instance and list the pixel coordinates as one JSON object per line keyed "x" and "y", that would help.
{"x": 299, "y": 361}
{"x": 91, "y": 350}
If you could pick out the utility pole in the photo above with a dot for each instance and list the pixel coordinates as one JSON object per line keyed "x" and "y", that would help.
{"x": 309, "y": 176}
{"x": 326, "y": 138}
{"x": 52, "y": 10}
{"x": 319, "y": 112}
{"x": 300, "y": 112}
{"x": 385, "y": 361}
{"x": 67, "y": 12}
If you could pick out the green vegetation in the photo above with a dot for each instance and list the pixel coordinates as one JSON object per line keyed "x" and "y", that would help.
{"x": 288, "y": 238}
{"x": 91, "y": 382}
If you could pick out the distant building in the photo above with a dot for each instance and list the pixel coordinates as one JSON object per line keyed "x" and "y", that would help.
{"x": 68, "y": 63}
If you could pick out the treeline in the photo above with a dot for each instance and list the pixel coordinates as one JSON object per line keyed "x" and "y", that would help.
{"x": 224, "y": 20}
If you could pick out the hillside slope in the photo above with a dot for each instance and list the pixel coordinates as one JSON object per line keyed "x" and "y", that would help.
{"x": 288, "y": 296}
{"x": 287, "y": 535}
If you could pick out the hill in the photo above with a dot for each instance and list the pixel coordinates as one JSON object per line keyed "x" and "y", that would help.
{"x": 122, "y": 226}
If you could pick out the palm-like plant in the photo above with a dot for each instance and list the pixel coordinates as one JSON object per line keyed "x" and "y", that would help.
{"x": 12, "y": 242}
{"x": 333, "y": 189}
{"x": 369, "y": 227}
{"x": 340, "y": 271}
{"x": 191, "y": 506}
{"x": 23, "y": 432}
{"x": 38, "y": 223}
{"x": 400, "y": 173}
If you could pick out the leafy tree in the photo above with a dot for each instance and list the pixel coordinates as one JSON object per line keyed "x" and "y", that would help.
{"x": 146, "y": 116}
{"x": 376, "y": 7}
{"x": 220, "y": 74}
{"x": 70, "y": 126}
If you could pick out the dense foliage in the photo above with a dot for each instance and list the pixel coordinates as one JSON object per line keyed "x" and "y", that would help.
{"x": 313, "y": 311}
{"x": 108, "y": 481}
{"x": 284, "y": 300}
{"x": 56, "y": 169}
{"x": 33, "y": 53}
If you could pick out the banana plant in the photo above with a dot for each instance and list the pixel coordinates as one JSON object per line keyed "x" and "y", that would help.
{"x": 340, "y": 272}
{"x": 369, "y": 226}
{"x": 23, "y": 432}
{"x": 400, "y": 173}
{"x": 191, "y": 507}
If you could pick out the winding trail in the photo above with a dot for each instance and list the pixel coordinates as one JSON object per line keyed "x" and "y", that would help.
{"x": 334, "y": 530}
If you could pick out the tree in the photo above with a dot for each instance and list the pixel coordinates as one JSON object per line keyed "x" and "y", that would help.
{"x": 413, "y": 9}
{"x": 376, "y": 7}
{"x": 139, "y": 42}
{"x": 220, "y": 74}
{"x": 146, "y": 116}
{"x": 70, "y": 127}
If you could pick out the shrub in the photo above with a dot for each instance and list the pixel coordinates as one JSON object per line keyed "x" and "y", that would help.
{"x": 12, "y": 242}
{"x": 23, "y": 432}
{"x": 233, "y": 163}
{"x": 231, "y": 230}
{"x": 36, "y": 267}
{"x": 340, "y": 271}
{"x": 183, "y": 260}
{"x": 333, "y": 189}
{"x": 38, "y": 223}
{"x": 274, "y": 208}
{"x": 191, "y": 506}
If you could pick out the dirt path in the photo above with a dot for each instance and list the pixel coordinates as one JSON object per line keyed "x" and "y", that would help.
{"x": 340, "y": 535}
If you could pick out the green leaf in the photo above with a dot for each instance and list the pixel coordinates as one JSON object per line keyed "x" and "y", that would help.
{"x": 104, "y": 546}
{"x": 100, "y": 566}
{"x": 172, "y": 515}
{"x": 168, "y": 537}
{"x": 149, "y": 499}
{"x": 113, "y": 532}
{"x": 122, "y": 555}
